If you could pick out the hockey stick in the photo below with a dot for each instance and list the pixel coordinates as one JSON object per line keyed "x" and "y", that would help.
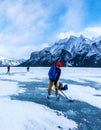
{"x": 69, "y": 98}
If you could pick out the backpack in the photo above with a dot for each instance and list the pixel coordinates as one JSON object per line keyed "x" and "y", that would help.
{"x": 65, "y": 87}
{"x": 61, "y": 87}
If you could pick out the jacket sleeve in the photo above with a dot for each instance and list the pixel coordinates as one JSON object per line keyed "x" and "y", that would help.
{"x": 50, "y": 73}
{"x": 58, "y": 75}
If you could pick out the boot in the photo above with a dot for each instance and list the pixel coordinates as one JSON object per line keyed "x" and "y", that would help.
{"x": 57, "y": 96}
{"x": 48, "y": 96}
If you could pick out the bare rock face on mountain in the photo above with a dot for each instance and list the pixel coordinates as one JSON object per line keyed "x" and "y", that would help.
{"x": 75, "y": 51}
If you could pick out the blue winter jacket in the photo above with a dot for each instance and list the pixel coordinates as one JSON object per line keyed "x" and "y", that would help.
{"x": 54, "y": 74}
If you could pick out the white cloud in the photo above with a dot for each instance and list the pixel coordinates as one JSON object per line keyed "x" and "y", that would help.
{"x": 74, "y": 17}
{"x": 32, "y": 23}
{"x": 90, "y": 32}
{"x": 66, "y": 35}
{"x": 22, "y": 25}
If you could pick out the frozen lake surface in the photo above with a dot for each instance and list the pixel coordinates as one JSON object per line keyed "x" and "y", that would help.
{"x": 24, "y": 105}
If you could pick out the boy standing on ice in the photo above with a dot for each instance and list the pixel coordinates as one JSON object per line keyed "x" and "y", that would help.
{"x": 54, "y": 74}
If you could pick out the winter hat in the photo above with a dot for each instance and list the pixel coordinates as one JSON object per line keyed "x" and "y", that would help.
{"x": 58, "y": 63}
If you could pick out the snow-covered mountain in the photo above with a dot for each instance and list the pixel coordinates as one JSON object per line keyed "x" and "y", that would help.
{"x": 5, "y": 61}
{"x": 75, "y": 51}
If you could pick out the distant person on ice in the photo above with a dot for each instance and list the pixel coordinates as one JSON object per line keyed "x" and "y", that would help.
{"x": 8, "y": 68}
{"x": 54, "y": 75}
{"x": 27, "y": 68}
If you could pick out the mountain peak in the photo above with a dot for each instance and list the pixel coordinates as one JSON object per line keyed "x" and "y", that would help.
{"x": 6, "y": 62}
{"x": 73, "y": 51}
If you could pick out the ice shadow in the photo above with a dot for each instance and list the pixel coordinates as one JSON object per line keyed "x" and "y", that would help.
{"x": 84, "y": 83}
{"x": 83, "y": 113}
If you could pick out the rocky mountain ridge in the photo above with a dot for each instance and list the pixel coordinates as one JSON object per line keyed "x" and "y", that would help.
{"x": 73, "y": 51}
{"x": 6, "y": 62}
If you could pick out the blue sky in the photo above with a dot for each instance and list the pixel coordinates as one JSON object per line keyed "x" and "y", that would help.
{"x": 31, "y": 25}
